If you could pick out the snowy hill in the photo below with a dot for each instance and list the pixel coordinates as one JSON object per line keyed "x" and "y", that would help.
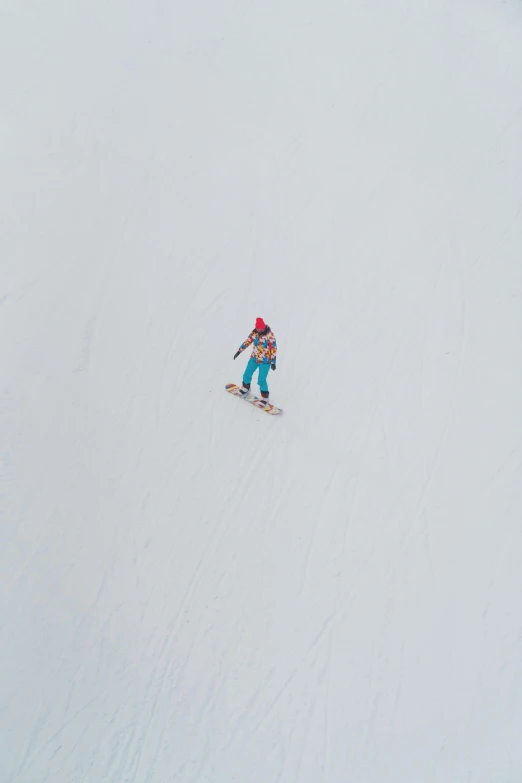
{"x": 194, "y": 591}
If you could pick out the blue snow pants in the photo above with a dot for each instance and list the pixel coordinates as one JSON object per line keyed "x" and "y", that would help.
{"x": 250, "y": 369}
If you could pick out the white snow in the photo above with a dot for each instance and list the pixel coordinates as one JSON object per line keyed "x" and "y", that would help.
{"x": 191, "y": 590}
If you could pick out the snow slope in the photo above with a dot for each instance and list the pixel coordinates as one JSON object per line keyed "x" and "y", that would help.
{"x": 191, "y": 590}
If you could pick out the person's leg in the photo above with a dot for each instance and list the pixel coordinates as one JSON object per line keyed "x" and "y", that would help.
{"x": 263, "y": 385}
{"x": 249, "y": 371}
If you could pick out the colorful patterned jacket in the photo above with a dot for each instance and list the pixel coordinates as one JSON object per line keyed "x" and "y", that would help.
{"x": 265, "y": 346}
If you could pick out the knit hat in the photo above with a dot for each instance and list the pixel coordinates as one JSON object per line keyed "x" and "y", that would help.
{"x": 260, "y": 325}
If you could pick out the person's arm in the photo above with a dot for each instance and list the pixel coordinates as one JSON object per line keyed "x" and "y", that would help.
{"x": 249, "y": 340}
{"x": 273, "y": 352}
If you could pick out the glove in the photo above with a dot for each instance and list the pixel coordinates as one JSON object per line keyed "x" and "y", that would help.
{"x": 236, "y": 354}
{"x": 273, "y": 367}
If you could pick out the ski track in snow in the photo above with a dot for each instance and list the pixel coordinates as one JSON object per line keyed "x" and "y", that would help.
{"x": 194, "y": 591}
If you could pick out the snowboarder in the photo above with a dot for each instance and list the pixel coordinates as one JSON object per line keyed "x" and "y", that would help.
{"x": 263, "y": 355}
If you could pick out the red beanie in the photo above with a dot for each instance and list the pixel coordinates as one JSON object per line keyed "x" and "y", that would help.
{"x": 260, "y": 325}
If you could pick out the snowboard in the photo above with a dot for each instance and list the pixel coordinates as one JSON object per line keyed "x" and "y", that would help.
{"x": 256, "y": 401}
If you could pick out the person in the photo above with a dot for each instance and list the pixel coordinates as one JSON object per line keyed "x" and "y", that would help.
{"x": 264, "y": 354}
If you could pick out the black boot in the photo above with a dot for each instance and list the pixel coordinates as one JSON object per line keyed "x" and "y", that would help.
{"x": 246, "y": 386}
{"x": 264, "y": 395}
